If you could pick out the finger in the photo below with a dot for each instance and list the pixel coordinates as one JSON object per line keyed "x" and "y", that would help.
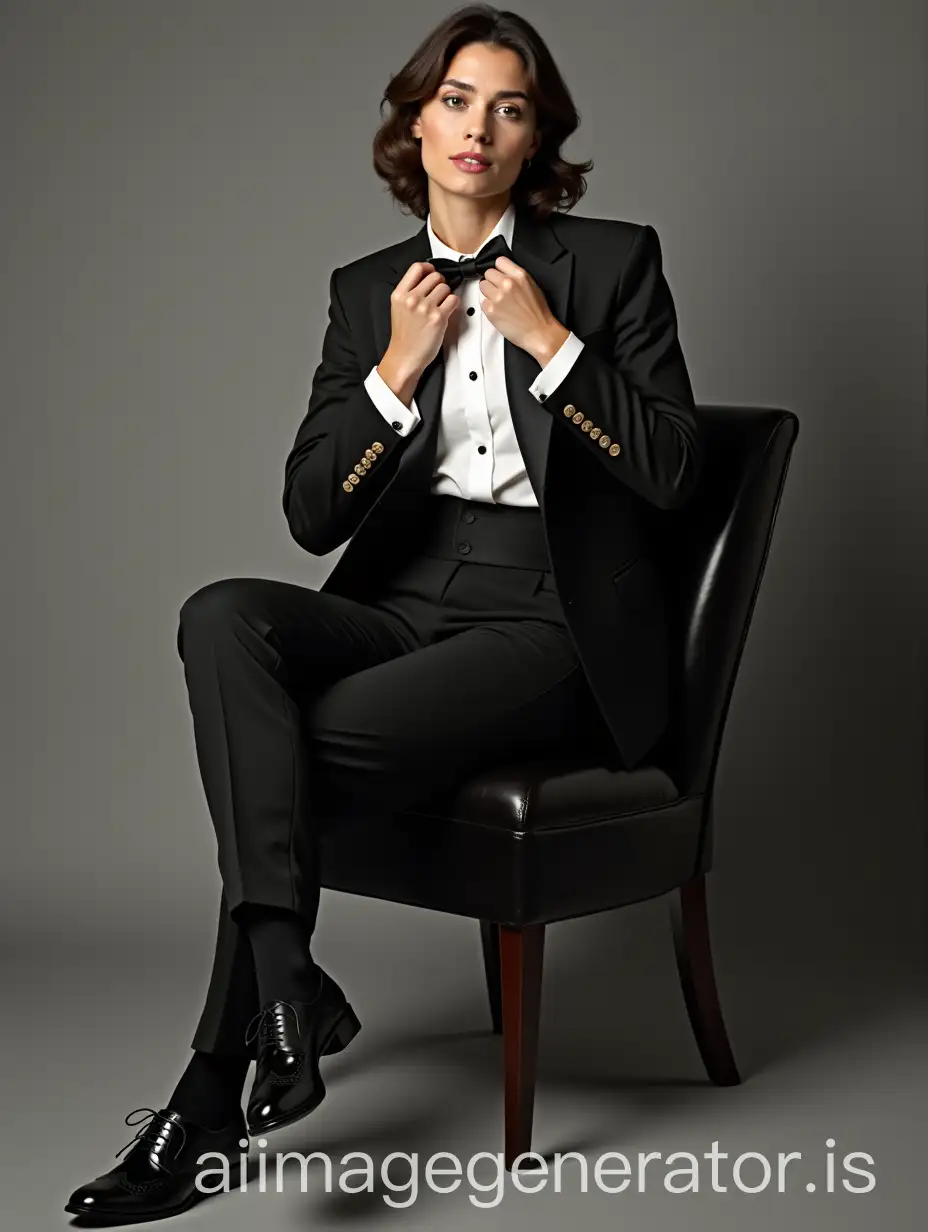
{"x": 426, "y": 287}
{"x": 416, "y": 271}
{"x": 436, "y": 294}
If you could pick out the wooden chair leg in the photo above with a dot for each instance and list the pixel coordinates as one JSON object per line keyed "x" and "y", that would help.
{"x": 489, "y": 936}
{"x": 521, "y": 958}
{"x": 693, "y": 947}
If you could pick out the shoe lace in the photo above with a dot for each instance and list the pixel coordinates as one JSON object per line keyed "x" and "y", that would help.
{"x": 269, "y": 1023}
{"x": 158, "y": 1133}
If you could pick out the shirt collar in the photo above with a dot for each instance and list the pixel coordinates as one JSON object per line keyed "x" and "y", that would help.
{"x": 504, "y": 227}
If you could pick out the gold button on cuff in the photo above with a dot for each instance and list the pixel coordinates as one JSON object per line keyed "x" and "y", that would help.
{"x": 594, "y": 433}
{"x": 347, "y": 486}
{"x": 377, "y": 447}
{"x": 615, "y": 450}
{"x": 586, "y": 425}
{"x": 569, "y": 408}
{"x": 370, "y": 455}
{"x": 353, "y": 479}
{"x": 605, "y": 441}
{"x": 578, "y": 418}
{"x": 359, "y": 470}
{"x": 366, "y": 463}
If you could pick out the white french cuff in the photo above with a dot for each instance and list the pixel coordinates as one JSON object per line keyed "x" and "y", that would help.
{"x": 389, "y": 405}
{"x": 557, "y": 367}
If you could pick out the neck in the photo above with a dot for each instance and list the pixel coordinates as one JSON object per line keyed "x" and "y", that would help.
{"x": 464, "y": 223}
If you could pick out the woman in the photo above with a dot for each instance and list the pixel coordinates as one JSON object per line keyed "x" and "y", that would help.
{"x": 440, "y": 643}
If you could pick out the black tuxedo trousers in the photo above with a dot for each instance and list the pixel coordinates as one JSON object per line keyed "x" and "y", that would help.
{"x": 310, "y": 708}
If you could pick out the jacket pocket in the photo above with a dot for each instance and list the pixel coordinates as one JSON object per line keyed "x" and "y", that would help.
{"x": 633, "y": 589}
{"x": 638, "y": 595}
{"x": 623, "y": 569}
{"x": 545, "y": 582}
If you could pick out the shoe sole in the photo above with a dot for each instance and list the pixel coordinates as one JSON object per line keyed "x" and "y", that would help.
{"x": 343, "y": 1032}
{"x": 100, "y": 1218}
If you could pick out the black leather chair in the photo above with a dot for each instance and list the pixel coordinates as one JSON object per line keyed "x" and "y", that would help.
{"x": 526, "y": 845}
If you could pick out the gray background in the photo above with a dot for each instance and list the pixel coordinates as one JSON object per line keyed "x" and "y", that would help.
{"x": 179, "y": 180}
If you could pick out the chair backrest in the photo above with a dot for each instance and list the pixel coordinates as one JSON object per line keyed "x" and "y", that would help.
{"x": 713, "y": 556}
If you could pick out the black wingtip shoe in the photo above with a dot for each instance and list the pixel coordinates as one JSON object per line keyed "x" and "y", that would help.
{"x": 292, "y": 1036}
{"x": 158, "y": 1176}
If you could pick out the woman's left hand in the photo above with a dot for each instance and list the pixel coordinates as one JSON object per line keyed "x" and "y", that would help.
{"x": 516, "y": 305}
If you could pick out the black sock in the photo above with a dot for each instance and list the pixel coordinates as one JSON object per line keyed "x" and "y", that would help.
{"x": 280, "y": 944}
{"x": 210, "y": 1089}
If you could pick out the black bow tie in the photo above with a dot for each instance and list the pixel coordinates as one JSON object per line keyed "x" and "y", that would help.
{"x": 472, "y": 267}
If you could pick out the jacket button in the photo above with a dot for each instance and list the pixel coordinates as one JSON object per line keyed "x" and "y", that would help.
{"x": 578, "y": 418}
{"x": 353, "y": 479}
{"x": 377, "y": 447}
{"x": 605, "y": 441}
{"x": 569, "y": 408}
{"x": 615, "y": 450}
{"x": 370, "y": 455}
{"x": 595, "y": 432}
{"x": 347, "y": 486}
{"x": 464, "y": 547}
{"x": 359, "y": 470}
{"x": 586, "y": 425}
{"x": 468, "y": 516}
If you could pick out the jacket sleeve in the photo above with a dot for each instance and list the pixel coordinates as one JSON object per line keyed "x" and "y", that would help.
{"x": 636, "y": 413}
{"x": 345, "y": 452}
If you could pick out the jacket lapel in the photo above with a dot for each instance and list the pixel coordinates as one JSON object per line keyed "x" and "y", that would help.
{"x": 535, "y": 247}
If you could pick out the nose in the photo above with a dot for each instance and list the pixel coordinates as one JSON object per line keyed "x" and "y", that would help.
{"x": 478, "y": 132}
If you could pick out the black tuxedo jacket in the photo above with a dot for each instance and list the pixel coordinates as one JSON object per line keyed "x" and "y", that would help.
{"x": 612, "y": 450}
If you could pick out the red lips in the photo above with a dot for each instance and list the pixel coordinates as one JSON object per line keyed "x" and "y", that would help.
{"x": 471, "y": 154}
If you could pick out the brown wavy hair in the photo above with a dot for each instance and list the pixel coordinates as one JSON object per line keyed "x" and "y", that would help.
{"x": 549, "y": 182}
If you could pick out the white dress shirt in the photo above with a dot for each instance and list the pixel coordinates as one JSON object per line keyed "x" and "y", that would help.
{"x": 478, "y": 455}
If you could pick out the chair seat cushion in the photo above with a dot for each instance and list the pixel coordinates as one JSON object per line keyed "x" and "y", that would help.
{"x": 523, "y": 844}
{"x": 564, "y": 792}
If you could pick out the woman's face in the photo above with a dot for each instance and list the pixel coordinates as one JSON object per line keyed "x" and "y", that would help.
{"x": 486, "y": 110}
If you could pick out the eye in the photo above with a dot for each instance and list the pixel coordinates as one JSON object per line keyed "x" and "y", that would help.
{"x": 506, "y": 106}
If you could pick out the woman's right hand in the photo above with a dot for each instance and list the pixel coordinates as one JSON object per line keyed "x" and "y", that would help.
{"x": 421, "y": 305}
